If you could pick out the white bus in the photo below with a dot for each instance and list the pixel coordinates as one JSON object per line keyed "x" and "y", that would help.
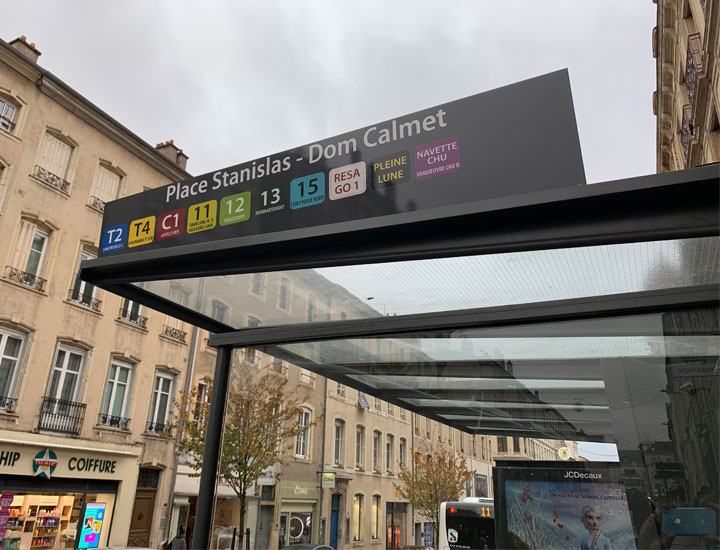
{"x": 467, "y": 524}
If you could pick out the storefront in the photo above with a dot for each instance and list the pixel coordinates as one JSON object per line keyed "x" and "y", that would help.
{"x": 227, "y": 509}
{"x": 298, "y": 510}
{"x": 64, "y": 496}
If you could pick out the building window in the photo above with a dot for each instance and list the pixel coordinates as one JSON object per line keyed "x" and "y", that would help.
{"x": 174, "y": 328}
{"x": 83, "y": 292}
{"x": 402, "y": 451}
{"x": 311, "y": 309}
{"x": 516, "y": 444}
{"x": 375, "y": 517}
{"x": 65, "y": 378}
{"x": 402, "y": 414}
{"x": 481, "y": 486}
{"x": 390, "y": 409}
{"x": 427, "y": 428}
{"x": 389, "y": 454}
{"x": 357, "y": 516}
{"x": 359, "y": 447}
{"x": 8, "y": 111}
{"x": 105, "y": 188}
{"x": 219, "y": 311}
{"x": 377, "y": 404}
{"x": 306, "y": 377}
{"x": 440, "y": 432}
{"x": 253, "y": 322}
{"x": 11, "y": 346}
{"x": 302, "y": 444}
{"x": 250, "y": 355}
{"x": 114, "y": 410}
{"x": 339, "y": 446}
{"x": 54, "y": 162}
{"x": 462, "y": 441}
{"x": 340, "y": 389}
{"x": 474, "y": 445}
{"x": 376, "y": 452}
{"x": 258, "y": 284}
{"x": 131, "y": 312}
{"x": 29, "y": 259}
{"x": 202, "y": 398}
{"x": 482, "y": 448}
{"x": 343, "y": 316}
{"x": 284, "y": 294}
{"x": 502, "y": 444}
{"x": 159, "y": 416}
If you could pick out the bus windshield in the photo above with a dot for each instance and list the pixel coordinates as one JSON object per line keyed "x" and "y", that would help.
{"x": 469, "y": 526}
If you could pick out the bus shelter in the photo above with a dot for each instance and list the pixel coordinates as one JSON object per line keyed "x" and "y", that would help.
{"x": 571, "y": 312}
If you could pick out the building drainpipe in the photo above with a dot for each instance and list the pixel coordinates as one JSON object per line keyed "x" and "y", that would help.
{"x": 322, "y": 463}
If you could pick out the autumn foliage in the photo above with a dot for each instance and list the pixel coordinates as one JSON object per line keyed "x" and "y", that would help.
{"x": 261, "y": 424}
{"x": 437, "y": 475}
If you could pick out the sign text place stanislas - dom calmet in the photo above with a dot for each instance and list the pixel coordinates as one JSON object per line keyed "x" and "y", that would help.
{"x": 511, "y": 140}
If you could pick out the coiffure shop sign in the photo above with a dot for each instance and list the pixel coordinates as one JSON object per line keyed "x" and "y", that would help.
{"x": 46, "y": 463}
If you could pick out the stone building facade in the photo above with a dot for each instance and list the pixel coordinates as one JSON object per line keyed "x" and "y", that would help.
{"x": 86, "y": 378}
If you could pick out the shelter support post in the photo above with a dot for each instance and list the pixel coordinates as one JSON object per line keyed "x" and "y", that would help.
{"x": 213, "y": 447}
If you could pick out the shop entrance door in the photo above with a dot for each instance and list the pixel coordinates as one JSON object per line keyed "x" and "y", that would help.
{"x": 334, "y": 515}
{"x": 142, "y": 518}
{"x": 262, "y": 540}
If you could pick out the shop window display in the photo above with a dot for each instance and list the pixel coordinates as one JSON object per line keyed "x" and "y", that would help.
{"x": 50, "y": 520}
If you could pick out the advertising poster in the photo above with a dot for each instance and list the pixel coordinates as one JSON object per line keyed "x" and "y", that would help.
{"x": 92, "y": 525}
{"x": 577, "y": 513}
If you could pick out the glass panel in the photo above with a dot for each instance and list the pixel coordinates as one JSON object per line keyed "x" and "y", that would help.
{"x": 447, "y": 284}
{"x": 119, "y": 400}
{"x": 35, "y": 255}
{"x": 68, "y": 387}
{"x": 106, "y": 398}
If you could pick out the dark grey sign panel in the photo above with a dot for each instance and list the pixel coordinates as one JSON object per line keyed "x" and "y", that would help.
{"x": 516, "y": 139}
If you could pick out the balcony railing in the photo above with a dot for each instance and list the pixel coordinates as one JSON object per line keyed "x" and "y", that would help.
{"x": 58, "y": 415}
{"x": 158, "y": 428}
{"x": 133, "y": 318}
{"x": 693, "y": 65}
{"x": 174, "y": 333}
{"x": 113, "y": 421}
{"x": 96, "y": 204}
{"x": 686, "y": 133}
{"x": 51, "y": 179}
{"x": 7, "y": 404}
{"x": 28, "y": 279}
{"x": 86, "y": 300}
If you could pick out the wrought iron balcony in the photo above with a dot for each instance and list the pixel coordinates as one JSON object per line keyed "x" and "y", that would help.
{"x": 7, "y": 404}
{"x": 96, "y": 204}
{"x": 86, "y": 300}
{"x": 686, "y": 133}
{"x": 28, "y": 279}
{"x": 174, "y": 333}
{"x": 158, "y": 428}
{"x": 693, "y": 66}
{"x": 113, "y": 421}
{"x": 133, "y": 318}
{"x": 58, "y": 415}
{"x": 51, "y": 179}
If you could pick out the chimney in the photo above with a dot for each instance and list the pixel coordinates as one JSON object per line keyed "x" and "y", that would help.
{"x": 28, "y": 50}
{"x": 171, "y": 151}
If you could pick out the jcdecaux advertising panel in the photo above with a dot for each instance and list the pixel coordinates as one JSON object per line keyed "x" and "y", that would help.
{"x": 511, "y": 140}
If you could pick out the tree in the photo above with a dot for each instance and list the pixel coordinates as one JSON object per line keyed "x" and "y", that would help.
{"x": 437, "y": 475}
{"x": 261, "y": 423}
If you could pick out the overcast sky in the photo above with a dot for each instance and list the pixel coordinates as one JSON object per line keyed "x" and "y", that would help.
{"x": 233, "y": 81}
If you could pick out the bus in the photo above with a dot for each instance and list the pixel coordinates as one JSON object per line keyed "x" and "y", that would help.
{"x": 467, "y": 524}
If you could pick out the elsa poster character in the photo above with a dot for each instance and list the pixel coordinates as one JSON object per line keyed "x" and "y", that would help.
{"x": 591, "y": 518}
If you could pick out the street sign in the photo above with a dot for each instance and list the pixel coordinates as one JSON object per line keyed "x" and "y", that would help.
{"x": 516, "y": 139}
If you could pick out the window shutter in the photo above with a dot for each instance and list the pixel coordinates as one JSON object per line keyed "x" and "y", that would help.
{"x": 54, "y": 155}
{"x": 23, "y": 244}
{"x": 106, "y": 185}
